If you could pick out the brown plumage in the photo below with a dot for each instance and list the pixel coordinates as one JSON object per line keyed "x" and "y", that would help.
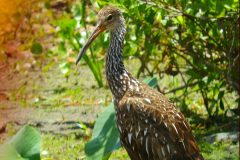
{"x": 150, "y": 126}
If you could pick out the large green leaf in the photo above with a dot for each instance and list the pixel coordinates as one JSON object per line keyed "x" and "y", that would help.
{"x": 105, "y": 137}
{"x": 25, "y": 145}
{"x": 8, "y": 152}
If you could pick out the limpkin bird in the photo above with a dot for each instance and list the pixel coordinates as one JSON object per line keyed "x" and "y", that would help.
{"x": 150, "y": 126}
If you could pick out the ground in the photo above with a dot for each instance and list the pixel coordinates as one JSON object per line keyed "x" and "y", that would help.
{"x": 33, "y": 97}
{"x": 64, "y": 109}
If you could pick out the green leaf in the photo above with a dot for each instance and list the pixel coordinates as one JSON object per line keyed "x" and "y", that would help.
{"x": 152, "y": 82}
{"x": 105, "y": 138}
{"x": 180, "y": 19}
{"x": 221, "y": 104}
{"x": 36, "y": 48}
{"x": 193, "y": 74}
{"x": 61, "y": 48}
{"x": 150, "y": 15}
{"x": 220, "y": 94}
{"x": 25, "y": 145}
{"x": 8, "y": 152}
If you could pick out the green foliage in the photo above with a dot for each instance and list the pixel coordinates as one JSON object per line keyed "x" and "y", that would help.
{"x": 67, "y": 27}
{"x": 36, "y": 48}
{"x": 69, "y": 37}
{"x": 196, "y": 41}
{"x": 105, "y": 137}
{"x": 220, "y": 150}
{"x": 191, "y": 47}
{"x": 25, "y": 145}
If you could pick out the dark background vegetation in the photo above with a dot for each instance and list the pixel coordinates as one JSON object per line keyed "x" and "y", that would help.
{"x": 191, "y": 48}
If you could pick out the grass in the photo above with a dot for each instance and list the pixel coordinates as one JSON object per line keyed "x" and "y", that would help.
{"x": 56, "y": 147}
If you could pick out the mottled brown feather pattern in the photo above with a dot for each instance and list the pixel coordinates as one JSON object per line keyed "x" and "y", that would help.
{"x": 157, "y": 129}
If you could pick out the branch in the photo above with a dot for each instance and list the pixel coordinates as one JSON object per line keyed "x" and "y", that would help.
{"x": 166, "y": 7}
{"x": 182, "y": 87}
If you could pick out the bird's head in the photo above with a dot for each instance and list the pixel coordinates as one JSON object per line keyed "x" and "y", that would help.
{"x": 109, "y": 18}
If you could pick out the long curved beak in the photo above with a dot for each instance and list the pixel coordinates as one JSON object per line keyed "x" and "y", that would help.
{"x": 100, "y": 28}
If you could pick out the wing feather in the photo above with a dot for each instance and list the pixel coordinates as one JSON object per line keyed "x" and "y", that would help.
{"x": 157, "y": 129}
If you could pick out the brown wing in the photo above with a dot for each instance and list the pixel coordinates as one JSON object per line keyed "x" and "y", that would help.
{"x": 152, "y": 129}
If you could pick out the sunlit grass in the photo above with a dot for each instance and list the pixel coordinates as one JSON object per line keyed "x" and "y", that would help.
{"x": 56, "y": 147}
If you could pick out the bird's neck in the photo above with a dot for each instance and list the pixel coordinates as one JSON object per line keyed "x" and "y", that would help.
{"x": 118, "y": 78}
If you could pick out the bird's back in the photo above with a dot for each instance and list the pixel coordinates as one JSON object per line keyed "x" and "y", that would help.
{"x": 151, "y": 128}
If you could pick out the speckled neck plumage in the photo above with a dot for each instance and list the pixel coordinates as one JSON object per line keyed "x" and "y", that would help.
{"x": 119, "y": 79}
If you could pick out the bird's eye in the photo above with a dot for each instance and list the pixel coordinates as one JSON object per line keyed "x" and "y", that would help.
{"x": 109, "y": 18}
